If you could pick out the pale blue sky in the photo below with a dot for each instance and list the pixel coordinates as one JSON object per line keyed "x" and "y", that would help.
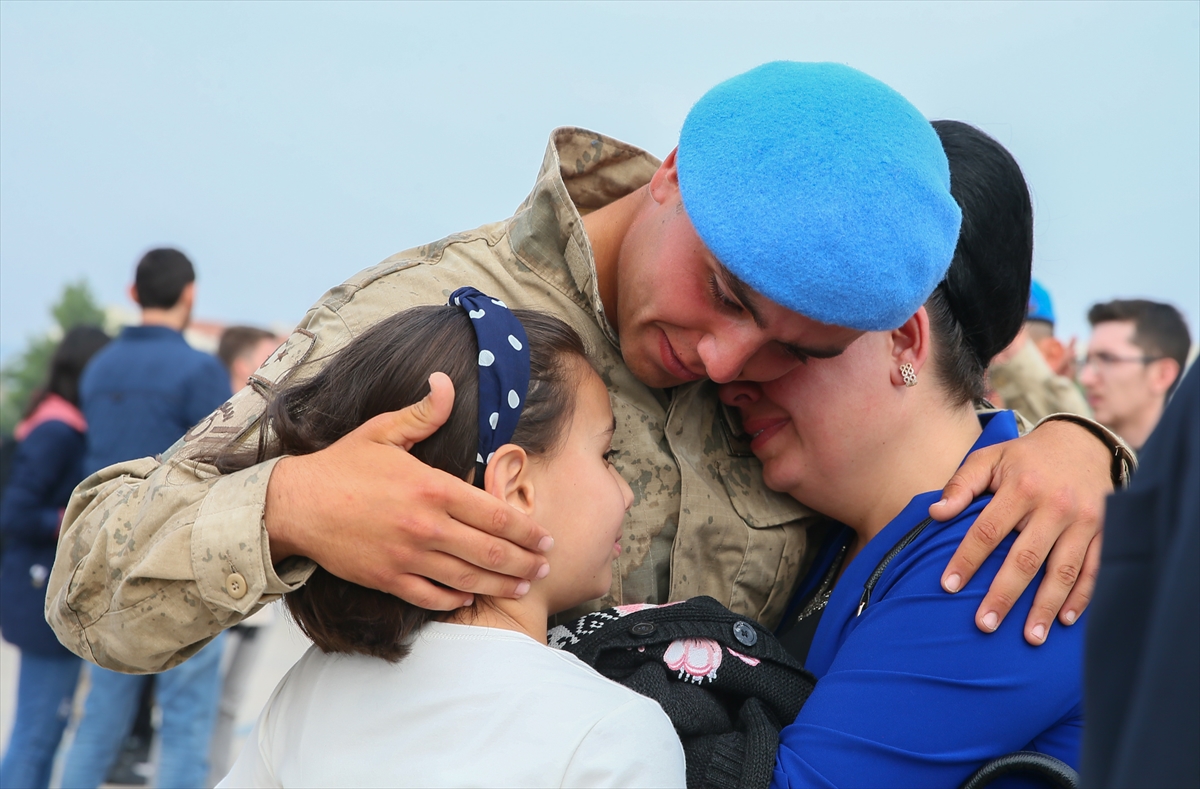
{"x": 285, "y": 146}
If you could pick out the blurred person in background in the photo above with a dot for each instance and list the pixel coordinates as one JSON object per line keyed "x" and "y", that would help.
{"x": 1035, "y": 374}
{"x": 139, "y": 396}
{"x": 1135, "y": 357}
{"x": 46, "y": 467}
{"x": 242, "y": 350}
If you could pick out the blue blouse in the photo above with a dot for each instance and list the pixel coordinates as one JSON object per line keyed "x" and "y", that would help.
{"x": 911, "y": 693}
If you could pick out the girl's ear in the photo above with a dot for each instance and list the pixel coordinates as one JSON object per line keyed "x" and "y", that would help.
{"x": 910, "y": 345}
{"x": 509, "y": 477}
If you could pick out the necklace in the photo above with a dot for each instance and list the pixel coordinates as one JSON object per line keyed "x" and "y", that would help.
{"x": 820, "y": 598}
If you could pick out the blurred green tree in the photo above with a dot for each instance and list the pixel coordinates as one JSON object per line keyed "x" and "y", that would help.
{"x": 21, "y": 377}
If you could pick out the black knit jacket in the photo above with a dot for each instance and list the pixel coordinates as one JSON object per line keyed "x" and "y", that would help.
{"x": 724, "y": 681}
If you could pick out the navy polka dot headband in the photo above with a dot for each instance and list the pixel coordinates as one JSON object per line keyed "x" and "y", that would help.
{"x": 503, "y": 370}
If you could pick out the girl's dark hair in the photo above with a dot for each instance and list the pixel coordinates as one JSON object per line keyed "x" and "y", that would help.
{"x": 385, "y": 369}
{"x": 77, "y": 348}
{"x": 980, "y": 306}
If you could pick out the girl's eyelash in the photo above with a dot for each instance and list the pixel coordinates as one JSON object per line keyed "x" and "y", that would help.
{"x": 610, "y": 454}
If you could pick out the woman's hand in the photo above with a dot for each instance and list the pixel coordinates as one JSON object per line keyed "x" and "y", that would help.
{"x": 1050, "y": 485}
{"x": 367, "y": 511}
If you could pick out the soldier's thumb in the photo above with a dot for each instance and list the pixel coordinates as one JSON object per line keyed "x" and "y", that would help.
{"x": 420, "y": 420}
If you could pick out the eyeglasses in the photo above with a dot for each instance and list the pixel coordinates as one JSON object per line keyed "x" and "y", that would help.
{"x": 1103, "y": 360}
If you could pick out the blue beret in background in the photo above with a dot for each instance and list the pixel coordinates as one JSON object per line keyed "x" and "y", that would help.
{"x": 823, "y": 189}
{"x": 1041, "y": 308}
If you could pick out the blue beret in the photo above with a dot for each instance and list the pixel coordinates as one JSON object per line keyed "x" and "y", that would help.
{"x": 1040, "y": 306}
{"x": 823, "y": 189}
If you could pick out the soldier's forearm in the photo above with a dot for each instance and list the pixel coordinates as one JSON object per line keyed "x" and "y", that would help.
{"x": 156, "y": 559}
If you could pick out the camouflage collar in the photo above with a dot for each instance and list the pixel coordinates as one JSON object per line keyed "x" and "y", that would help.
{"x": 581, "y": 171}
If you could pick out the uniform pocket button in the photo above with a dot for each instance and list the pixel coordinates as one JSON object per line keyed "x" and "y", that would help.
{"x": 235, "y": 585}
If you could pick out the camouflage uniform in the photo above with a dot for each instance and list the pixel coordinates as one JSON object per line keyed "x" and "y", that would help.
{"x": 1028, "y": 385}
{"x": 157, "y": 557}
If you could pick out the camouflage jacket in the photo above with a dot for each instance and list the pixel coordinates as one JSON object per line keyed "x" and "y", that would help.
{"x": 1028, "y": 385}
{"x": 158, "y": 556}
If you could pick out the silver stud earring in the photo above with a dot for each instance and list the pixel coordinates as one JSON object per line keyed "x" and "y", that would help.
{"x": 909, "y": 374}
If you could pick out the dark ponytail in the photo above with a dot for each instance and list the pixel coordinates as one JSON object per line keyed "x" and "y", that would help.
{"x": 980, "y": 306}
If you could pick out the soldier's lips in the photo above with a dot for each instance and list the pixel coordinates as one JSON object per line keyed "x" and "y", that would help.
{"x": 672, "y": 362}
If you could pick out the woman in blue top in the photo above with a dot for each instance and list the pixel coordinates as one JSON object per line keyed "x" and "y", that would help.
{"x": 47, "y": 466}
{"x": 909, "y": 691}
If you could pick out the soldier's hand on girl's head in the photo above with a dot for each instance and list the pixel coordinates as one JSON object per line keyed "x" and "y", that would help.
{"x": 1049, "y": 485}
{"x": 369, "y": 512}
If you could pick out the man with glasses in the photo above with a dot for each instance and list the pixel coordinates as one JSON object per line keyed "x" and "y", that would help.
{"x": 1135, "y": 357}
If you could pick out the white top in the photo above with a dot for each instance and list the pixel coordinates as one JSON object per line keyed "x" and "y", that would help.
{"x": 469, "y": 706}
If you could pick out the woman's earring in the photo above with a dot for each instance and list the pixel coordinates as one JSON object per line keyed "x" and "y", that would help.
{"x": 909, "y": 375}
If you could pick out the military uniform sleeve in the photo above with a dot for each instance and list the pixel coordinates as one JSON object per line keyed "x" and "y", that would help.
{"x": 1029, "y": 386}
{"x": 156, "y": 557}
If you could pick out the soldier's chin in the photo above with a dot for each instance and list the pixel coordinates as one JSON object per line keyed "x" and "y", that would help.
{"x": 649, "y": 371}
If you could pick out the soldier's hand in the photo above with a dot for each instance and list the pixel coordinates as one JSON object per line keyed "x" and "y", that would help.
{"x": 369, "y": 512}
{"x": 1050, "y": 485}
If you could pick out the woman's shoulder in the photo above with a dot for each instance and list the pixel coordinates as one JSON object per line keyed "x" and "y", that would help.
{"x": 52, "y": 431}
{"x": 44, "y": 449}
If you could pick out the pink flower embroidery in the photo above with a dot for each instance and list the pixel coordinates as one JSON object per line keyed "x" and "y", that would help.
{"x": 633, "y": 608}
{"x": 698, "y": 658}
{"x": 749, "y": 661}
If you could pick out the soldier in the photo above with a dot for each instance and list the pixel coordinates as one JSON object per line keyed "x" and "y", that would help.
{"x": 789, "y": 182}
{"x": 1033, "y": 375}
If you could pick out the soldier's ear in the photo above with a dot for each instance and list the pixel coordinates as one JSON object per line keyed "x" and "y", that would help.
{"x": 664, "y": 184}
{"x": 133, "y": 295}
{"x": 1053, "y": 351}
{"x": 509, "y": 477}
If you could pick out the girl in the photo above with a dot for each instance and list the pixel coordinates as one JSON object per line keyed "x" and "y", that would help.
{"x": 394, "y": 695}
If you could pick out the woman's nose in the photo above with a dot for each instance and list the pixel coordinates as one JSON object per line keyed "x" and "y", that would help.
{"x": 740, "y": 393}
